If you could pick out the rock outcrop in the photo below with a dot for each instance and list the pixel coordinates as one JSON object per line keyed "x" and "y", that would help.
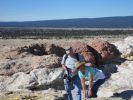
{"x": 119, "y": 81}
{"x": 126, "y": 48}
{"x": 37, "y": 67}
{"x": 37, "y": 79}
{"x": 30, "y": 67}
{"x": 27, "y": 64}
{"x": 41, "y": 49}
{"x": 77, "y": 46}
{"x": 103, "y": 50}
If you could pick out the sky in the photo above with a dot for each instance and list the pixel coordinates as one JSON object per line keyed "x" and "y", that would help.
{"x": 31, "y": 10}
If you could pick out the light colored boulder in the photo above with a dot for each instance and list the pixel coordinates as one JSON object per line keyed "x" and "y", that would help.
{"x": 47, "y": 77}
{"x": 13, "y": 66}
{"x": 121, "y": 80}
{"x": 129, "y": 40}
{"x": 38, "y": 78}
{"x": 29, "y": 63}
{"x": 21, "y": 81}
{"x": 3, "y": 83}
{"x": 126, "y": 48}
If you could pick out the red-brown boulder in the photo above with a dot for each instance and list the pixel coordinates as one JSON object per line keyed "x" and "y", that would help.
{"x": 103, "y": 50}
{"x": 89, "y": 57}
{"x": 78, "y": 47}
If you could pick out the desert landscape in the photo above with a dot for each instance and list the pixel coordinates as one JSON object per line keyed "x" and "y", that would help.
{"x": 30, "y": 69}
{"x": 35, "y": 35}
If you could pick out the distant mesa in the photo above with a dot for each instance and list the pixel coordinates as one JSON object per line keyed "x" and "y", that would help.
{"x": 104, "y": 22}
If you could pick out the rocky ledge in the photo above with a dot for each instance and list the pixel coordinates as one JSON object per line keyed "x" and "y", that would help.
{"x": 33, "y": 71}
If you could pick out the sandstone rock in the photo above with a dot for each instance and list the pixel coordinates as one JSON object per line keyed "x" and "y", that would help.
{"x": 36, "y": 49}
{"x": 3, "y": 84}
{"x": 14, "y": 66}
{"x": 129, "y": 40}
{"x": 77, "y": 46}
{"x": 47, "y": 78}
{"x": 46, "y": 61}
{"x": 9, "y": 53}
{"x": 102, "y": 94}
{"x": 25, "y": 70}
{"x": 129, "y": 58}
{"x": 83, "y": 49}
{"x": 41, "y": 49}
{"x": 55, "y": 49}
{"x": 121, "y": 80}
{"x": 37, "y": 79}
{"x": 125, "y": 48}
{"x": 103, "y": 50}
{"x": 29, "y": 63}
{"x": 21, "y": 81}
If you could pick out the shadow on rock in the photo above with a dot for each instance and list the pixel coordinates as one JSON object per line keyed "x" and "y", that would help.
{"x": 118, "y": 61}
{"x": 126, "y": 95}
{"x": 39, "y": 49}
{"x": 108, "y": 69}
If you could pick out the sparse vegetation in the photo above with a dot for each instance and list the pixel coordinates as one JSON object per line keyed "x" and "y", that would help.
{"x": 44, "y": 33}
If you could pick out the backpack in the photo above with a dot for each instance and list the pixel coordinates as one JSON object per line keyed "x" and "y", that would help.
{"x": 77, "y": 57}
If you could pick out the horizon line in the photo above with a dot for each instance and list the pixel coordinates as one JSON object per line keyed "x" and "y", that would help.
{"x": 67, "y": 18}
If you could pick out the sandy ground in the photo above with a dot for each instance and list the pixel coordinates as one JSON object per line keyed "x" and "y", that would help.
{"x": 23, "y": 42}
{"x": 44, "y": 96}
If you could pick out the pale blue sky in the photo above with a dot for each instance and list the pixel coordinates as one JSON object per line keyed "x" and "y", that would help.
{"x": 28, "y": 10}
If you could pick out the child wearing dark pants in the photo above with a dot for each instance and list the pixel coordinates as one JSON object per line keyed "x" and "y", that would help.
{"x": 95, "y": 88}
{"x": 92, "y": 75}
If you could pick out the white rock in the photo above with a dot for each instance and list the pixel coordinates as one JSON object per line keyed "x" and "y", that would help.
{"x": 36, "y": 78}
{"x": 46, "y": 76}
{"x": 129, "y": 40}
{"x": 21, "y": 81}
{"x": 121, "y": 80}
{"x": 105, "y": 93}
{"x": 126, "y": 48}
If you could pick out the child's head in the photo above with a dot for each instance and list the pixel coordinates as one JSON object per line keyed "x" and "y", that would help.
{"x": 88, "y": 57}
{"x": 79, "y": 65}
